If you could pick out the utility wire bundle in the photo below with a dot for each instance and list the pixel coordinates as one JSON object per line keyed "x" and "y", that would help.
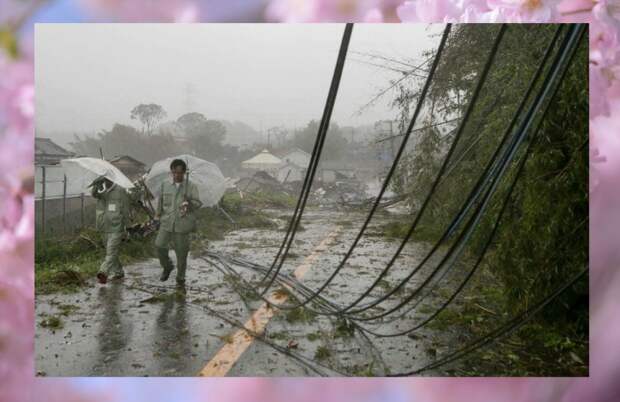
{"x": 523, "y": 127}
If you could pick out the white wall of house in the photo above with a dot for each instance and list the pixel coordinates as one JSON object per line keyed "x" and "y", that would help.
{"x": 251, "y": 170}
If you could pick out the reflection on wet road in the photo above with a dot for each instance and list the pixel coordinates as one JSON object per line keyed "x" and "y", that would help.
{"x": 114, "y": 331}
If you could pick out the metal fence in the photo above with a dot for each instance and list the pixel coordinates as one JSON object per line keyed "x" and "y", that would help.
{"x": 58, "y": 211}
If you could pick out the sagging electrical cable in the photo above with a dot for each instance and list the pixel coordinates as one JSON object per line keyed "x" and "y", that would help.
{"x": 388, "y": 177}
{"x": 307, "y": 183}
{"x": 261, "y": 336}
{"x": 489, "y": 170}
{"x": 329, "y": 280}
{"x": 227, "y": 270}
{"x": 287, "y": 282}
{"x": 421, "y": 299}
{"x": 503, "y": 208}
{"x": 297, "y": 289}
{"x": 481, "y": 80}
{"x": 467, "y": 232}
{"x": 496, "y": 225}
{"x": 320, "y": 140}
{"x": 550, "y": 80}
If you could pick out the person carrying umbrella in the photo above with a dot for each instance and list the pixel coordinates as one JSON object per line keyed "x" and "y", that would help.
{"x": 178, "y": 200}
{"x": 112, "y": 215}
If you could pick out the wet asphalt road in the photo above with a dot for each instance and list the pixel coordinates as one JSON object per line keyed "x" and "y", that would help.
{"x": 141, "y": 327}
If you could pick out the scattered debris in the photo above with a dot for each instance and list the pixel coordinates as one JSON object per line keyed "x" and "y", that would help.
{"x": 348, "y": 192}
{"x": 259, "y": 182}
{"x": 322, "y": 353}
{"x": 344, "y": 329}
{"x": 52, "y": 322}
{"x": 300, "y": 314}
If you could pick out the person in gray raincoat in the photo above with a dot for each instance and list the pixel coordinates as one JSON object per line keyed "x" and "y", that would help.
{"x": 178, "y": 201}
{"x": 112, "y": 216}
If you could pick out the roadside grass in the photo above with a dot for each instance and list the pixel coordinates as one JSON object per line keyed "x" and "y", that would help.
{"x": 399, "y": 229}
{"x": 536, "y": 349}
{"x": 63, "y": 264}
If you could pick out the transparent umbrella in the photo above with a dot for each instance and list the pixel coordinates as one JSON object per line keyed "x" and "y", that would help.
{"x": 205, "y": 175}
{"x": 81, "y": 172}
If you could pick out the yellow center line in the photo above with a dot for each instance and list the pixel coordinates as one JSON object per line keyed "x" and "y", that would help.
{"x": 226, "y": 357}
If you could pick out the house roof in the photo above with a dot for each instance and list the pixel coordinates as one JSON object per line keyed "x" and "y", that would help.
{"x": 134, "y": 160}
{"x": 284, "y": 153}
{"x": 264, "y": 158}
{"x": 47, "y": 147}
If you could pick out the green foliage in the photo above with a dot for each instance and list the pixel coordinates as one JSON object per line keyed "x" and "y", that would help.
{"x": 363, "y": 370}
{"x": 205, "y": 136}
{"x": 539, "y": 348}
{"x": 399, "y": 229}
{"x": 344, "y": 329}
{"x": 300, "y": 314}
{"x": 543, "y": 236}
{"x": 63, "y": 264}
{"x": 335, "y": 142}
{"x": 204, "y": 139}
{"x": 126, "y": 140}
{"x": 279, "y": 336}
{"x": 322, "y": 353}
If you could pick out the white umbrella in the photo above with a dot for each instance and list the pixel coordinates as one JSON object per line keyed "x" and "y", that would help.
{"x": 205, "y": 175}
{"x": 81, "y": 172}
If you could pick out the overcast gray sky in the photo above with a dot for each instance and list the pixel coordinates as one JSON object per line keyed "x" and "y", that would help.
{"x": 89, "y": 76}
